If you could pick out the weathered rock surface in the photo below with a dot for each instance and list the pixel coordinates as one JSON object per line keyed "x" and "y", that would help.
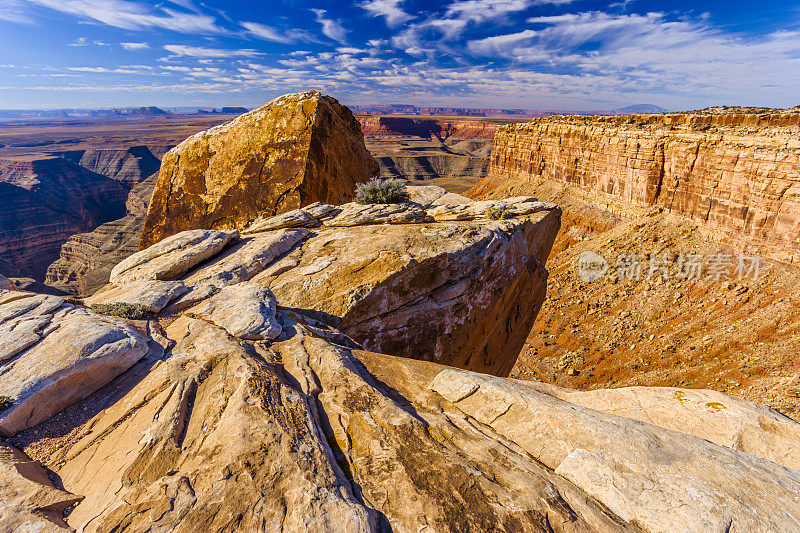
{"x": 154, "y": 295}
{"x": 294, "y": 151}
{"x": 255, "y": 414}
{"x": 172, "y": 257}
{"x": 5, "y": 284}
{"x": 53, "y": 354}
{"x": 28, "y": 499}
{"x": 736, "y": 175}
{"x": 661, "y": 480}
{"x": 710, "y": 415}
{"x": 246, "y": 311}
{"x": 44, "y": 202}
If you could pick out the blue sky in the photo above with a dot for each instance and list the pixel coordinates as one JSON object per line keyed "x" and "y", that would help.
{"x": 540, "y": 54}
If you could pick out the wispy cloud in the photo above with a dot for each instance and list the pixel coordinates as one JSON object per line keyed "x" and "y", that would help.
{"x": 130, "y": 15}
{"x": 201, "y": 51}
{"x": 390, "y": 10}
{"x": 332, "y": 29}
{"x": 133, "y": 47}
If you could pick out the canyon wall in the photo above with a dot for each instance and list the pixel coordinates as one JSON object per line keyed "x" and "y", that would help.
{"x": 428, "y": 127}
{"x": 736, "y": 175}
{"x": 44, "y": 202}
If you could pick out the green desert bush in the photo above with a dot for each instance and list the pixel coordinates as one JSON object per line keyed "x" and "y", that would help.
{"x": 5, "y": 403}
{"x": 499, "y": 213}
{"x": 381, "y": 191}
{"x": 130, "y": 311}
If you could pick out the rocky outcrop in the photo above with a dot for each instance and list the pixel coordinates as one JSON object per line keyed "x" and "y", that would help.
{"x": 462, "y": 292}
{"x": 294, "y": 151}
{"x": 53, "y": 354}
{"x": 735, "y": 175}
{"x": 44, "y": 202}
{"x": 253, "y": 409}
{"x": 86, "y": 259}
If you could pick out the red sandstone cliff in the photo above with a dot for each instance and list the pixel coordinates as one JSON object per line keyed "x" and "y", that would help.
{"x": 428, "y": 127}
{"x": 736, "y": 175}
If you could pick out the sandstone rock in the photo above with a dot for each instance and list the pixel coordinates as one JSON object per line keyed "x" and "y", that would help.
{"x": 470, "y": 211}
{"x": 30, "y": 502}
{"x": 463, "y": 294}
{"x": 211, "y": 439}
{"x": 359, "y": 215}
{"x": 663, "y": 480}
{"x": 246, "y": 311}
{"x": 246, "y": 259}
{"x": 5, "y": 285}
{"x": 296, "y": 150}
{"x": 310, "y": 216}
{"x": 452, "y": 199}
{"x": 172, "y": 257}
{"x": 708, "y": 414}
{"x": 735, "y": 175}
{"x": 59, "y": 354}
{"x": 425, "y": 195}
{"x": 152, "y": 294}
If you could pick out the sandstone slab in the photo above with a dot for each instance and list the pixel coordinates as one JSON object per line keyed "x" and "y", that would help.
{"x": 361, "y": 215}
{"x": 296, "y": 150}
{"x": 59, "y": 355}
{"x": 425, "y": 195}
{"x": 154, "y": 295}
{"x": 663, "y": 480}
{"x": 246, "y": 311}
{"x": 172, "y": 257}
{"x": 29, "y": 501}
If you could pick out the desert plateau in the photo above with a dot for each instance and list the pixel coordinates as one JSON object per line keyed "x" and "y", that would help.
{"x": 386, "y": 266}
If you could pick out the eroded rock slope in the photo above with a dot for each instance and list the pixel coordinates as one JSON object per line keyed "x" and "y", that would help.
{"x": 250, "y": 409}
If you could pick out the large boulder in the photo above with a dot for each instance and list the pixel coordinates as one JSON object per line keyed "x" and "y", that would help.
{"x": 296, "y": 150}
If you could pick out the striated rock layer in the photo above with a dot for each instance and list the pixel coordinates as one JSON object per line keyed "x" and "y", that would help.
{"x": 86, "y": 259}
{"x": 428, "y": 127}
{"x": 44, "y": 202}
{"x": 738, "y": 176}
{"x": 296, "y": 150}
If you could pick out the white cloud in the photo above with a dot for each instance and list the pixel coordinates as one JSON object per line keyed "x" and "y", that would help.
{"x": 134, "y": 46}
{"x": 499, "y": 44}
{"x": 482, "y": 10}
{"x": 267, "y": 33}
{"x": 13, "y": 11}
{"x": 389, "y": 10}
{"x": 332, "y": 29}
{"x": 130, "y": 15}
{"x": 200, "y": 51}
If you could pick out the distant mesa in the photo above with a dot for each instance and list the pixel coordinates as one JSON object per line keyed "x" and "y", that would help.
{"x": 639, "y": 109}
{"x": 224, "y": 111}
{"x": 407, "y": 109}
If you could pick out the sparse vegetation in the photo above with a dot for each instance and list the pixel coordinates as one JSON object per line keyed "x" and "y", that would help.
{"x": 5, "y": 403}
{"x": 499, "y": 213}
{"x": 381, "y": 191}
{"x": 122, "y": 310}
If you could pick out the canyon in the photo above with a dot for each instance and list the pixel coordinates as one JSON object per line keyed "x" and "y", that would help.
{"x": 736, "y": 175}
{"x": 321, "y": 366}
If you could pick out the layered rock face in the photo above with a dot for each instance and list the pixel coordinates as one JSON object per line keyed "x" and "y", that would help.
{"x": 129, "y": 166}
{"x": 294, "y": 151}
{"x": 86, "y": 259}
{"x": 735, "y": 175}
{"x": 250, "y": 412}
{"x": 428, "y": 127}
{"x": 44, "y": 202}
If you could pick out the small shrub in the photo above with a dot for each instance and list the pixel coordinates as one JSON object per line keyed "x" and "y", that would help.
{"x": 499, "y": 213}
{"x": 5, "y": 403}
{"x": 122, "y": 310}
{"x": 381, "y": 191}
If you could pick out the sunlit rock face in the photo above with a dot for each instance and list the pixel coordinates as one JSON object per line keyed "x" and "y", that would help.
{"x": 296, "y": 150}
{"x": 737, "y": 175}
